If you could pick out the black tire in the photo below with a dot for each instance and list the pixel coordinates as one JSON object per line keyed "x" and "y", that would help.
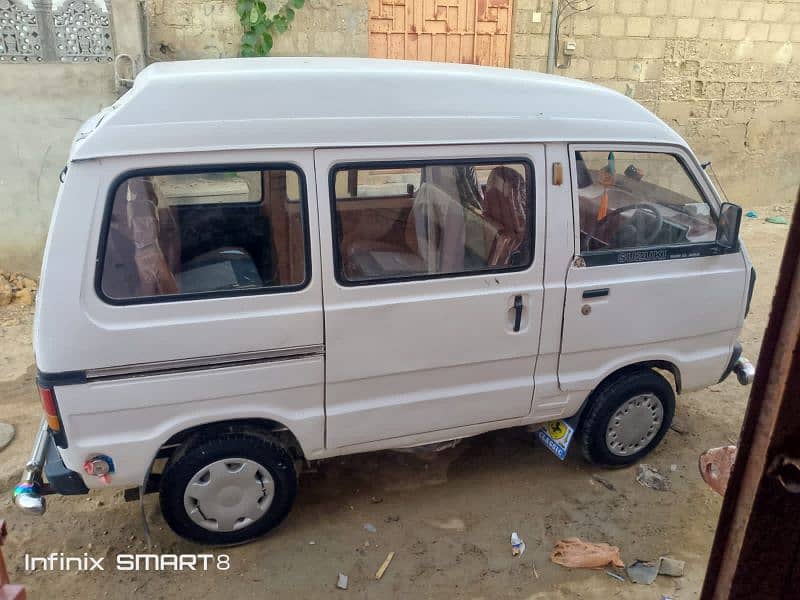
{"x": 609, "y": 397}
{"x": 179, "y": 472}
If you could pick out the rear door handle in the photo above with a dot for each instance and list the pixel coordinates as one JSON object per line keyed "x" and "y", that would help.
{"x": 517, "y": 312}
{"x": 596, "y": 293}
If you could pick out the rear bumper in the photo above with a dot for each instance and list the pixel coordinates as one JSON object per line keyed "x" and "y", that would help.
{"x": 30, "y": 492}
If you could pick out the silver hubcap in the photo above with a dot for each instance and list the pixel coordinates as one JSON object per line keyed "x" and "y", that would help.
{"x": 634, "y": 425}
{"x": 229, "y": 494}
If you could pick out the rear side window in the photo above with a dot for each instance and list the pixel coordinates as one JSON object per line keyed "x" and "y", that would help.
{"x": 199, "y": 234}
{"x": 411, "y": 221}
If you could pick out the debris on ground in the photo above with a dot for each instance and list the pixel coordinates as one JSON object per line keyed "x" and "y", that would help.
{"x": 517, "y": 545}
{"x": 776, "y": 220}
{"x": 370, "y": 527}
{"x": 7, "y": 432}
{"x": 716, "y": 465}
{"x": 341, "y": 583}
{"x": 384, "y": 566}
{"x": 751, "y": 214}
{"x": 615, "y": 576}
{"x": 650, "y": 477}
{"x": 575, "y": 553}
{"x": 17, "y": 288}
{"x": 642, "y": 571}
{"x": 605, "y": 483}
{"x": 453, "y": 524}
{"x": 375, "y": 500}
{"x": 533, "y": 564}
{"x": 646, "y": 571}
{"x": 671, "y": 567}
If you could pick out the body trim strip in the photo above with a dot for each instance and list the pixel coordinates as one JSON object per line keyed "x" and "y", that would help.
{"x": 206, "y": 362}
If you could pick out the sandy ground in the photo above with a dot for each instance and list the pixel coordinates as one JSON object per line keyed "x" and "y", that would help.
{"x": 448, "y": 521}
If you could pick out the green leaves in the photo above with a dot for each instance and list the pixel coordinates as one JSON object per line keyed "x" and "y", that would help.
{"x": 259, "y": 30}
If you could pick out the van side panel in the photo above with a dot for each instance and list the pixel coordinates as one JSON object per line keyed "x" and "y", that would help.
{"x": 129, "y": 419}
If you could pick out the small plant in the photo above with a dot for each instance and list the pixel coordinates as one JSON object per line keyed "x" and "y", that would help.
{"x": 259, "y": 28}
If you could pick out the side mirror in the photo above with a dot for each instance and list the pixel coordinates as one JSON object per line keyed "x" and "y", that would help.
{"x": 730, "y": 218}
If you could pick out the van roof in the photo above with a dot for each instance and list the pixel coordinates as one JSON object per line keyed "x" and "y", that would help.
{"x": 327, "y": 102}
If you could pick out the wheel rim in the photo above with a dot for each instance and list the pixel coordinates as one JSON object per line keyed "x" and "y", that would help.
{"x": 229, "y": 494}
{"x": 634, "y": 424}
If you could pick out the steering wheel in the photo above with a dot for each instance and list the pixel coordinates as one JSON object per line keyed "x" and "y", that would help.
{"x": 654, "y": 226}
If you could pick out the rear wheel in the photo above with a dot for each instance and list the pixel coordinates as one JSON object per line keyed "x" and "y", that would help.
{"x": 229, "y": 489}
{"x": 629, "y": 416}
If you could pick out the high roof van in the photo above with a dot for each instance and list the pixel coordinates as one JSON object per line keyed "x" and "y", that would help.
{"x": 255, "y": 264}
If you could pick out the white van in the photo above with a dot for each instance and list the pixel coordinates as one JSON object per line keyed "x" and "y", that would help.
{"x": 258, "y": 263}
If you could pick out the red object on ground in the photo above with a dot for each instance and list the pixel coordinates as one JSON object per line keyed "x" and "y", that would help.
{"x": 716, "y": 466}
{"x": 7, "y": 591}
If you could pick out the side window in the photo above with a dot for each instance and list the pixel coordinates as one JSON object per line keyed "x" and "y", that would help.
{"x": 205, "y": 233}
{"x": 637, "y": 199}
{"x": 400, "y": 221}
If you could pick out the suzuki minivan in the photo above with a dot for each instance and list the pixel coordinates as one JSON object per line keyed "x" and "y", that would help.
{"x": 254, "y": 264}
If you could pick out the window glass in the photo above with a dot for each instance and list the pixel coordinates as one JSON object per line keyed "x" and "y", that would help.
{"x": 202, "y": 233}
{"x": 409, "y": 221}
{"x": 637, "y": 199}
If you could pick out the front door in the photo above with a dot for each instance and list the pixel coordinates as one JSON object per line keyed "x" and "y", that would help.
{"x": 650, "y": 284}
{"x": 433, "y": 268}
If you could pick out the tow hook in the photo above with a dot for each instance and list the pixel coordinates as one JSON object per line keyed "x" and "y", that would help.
{"x": 28, "y": 493}
{"x": 745, "y": 371}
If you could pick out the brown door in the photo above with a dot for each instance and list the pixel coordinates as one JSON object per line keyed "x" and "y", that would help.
{"x": 461, "y": 31}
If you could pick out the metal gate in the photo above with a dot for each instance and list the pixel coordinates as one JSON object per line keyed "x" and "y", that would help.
{"x": 461, "y": 31}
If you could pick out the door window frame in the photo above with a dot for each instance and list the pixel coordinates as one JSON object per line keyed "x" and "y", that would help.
{"x": 124, "y": 176}
{"x": 336, "y": 167}
{"x": 651, "y": 253}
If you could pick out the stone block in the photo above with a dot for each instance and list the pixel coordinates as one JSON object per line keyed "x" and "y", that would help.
{"x": 774, "y": 12}
{"x": 651, "y": 48}
{"x": 655, "y": 8}
{"x": 687, "y": 28}
{"x": 714, "y": 90}
{"x": 629, "y": 69}
{"x": 663, "y": 27}
{"x": 757, "y": 90}
{"x": 599, "y": 47}
{"x": 757, "y": 32}
{"x": 779, "y": 32}
{"x": 751, "y": 11}
{"x": 675, "y": 90}
{"x": 775, "y": 72}
{"x": 734, "y": 30}
{"x": 706, "y": 9}
{"x": 711, "y": 29}
{"x": 629, "y": 7}
{"x": 646, "y": 90}
{"x": 584, "y": 24}
{"x": 680, "y": 8}
{"x": 653, "y": 69}
{"x": 638, "y": 26}
{"x": 720, "y": 109}
{"x": 626, "y": 48}
{"x": 678, "y": 112}
{"x": 612, "y": 26}
{"x": 730, "y": 9}
{"x": 735, "y": 90}
{"x": 719, "y": 71}
{"x": 777, "y": 90}
{"x": 751, "y": 72}
{"x": 603, "y": 69}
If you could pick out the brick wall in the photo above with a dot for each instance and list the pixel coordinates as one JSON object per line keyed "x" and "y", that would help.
{"x": 725, "y": 74}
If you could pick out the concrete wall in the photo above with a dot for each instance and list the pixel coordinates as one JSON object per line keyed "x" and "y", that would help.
{"x": 185, "y": 29}
{"x": 723, "y": 73}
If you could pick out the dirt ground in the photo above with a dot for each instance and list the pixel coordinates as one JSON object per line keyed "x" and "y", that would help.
{"x": 448, "y": 521}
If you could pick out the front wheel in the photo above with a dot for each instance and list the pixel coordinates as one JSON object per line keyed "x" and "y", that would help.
{"x": 229, "y": 489}
{"x": 627, "y": 419}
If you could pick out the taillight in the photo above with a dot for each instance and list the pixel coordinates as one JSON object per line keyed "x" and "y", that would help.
{"x": 50, "y": 409}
